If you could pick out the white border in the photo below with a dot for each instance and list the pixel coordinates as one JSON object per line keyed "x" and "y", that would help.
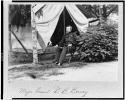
{"x": 95, "y": 89}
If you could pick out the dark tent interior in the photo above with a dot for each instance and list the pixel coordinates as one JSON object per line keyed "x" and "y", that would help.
{"x": 65, "y": 18}
{"x": 59, "y": 31}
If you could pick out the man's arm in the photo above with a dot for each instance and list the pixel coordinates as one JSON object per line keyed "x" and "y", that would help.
{"x": 63, "y": 39}
{"x": 75, "y": 37}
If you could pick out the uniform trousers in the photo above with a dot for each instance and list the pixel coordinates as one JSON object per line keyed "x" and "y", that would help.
{"x": 60, "y": 54}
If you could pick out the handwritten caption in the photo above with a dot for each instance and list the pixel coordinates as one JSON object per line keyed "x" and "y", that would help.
{"x": 54, "y": 90}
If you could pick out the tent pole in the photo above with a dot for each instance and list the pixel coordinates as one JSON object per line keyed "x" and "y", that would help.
{"x": 20, "y": 43}
{"x": 64, "y": 20}
{"x": 34, "y": 37}
{"x": 10, "y": 42}
{"x": 10, "y": 45}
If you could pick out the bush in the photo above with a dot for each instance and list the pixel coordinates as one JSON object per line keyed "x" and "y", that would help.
{"x": 100, "y": 43}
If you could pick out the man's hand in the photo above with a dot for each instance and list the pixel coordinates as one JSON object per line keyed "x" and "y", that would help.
{"x": 56, "y": 46}
{"x": 69, "y": 45}
{"x": 50, "y": 43}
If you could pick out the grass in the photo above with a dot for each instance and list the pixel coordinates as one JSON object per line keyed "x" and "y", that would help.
{"x": 42, "y": 71}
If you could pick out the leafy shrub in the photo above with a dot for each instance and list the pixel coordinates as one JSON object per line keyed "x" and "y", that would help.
{"x": 100, "y": 43}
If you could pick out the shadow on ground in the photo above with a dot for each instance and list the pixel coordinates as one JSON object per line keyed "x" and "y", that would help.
{"x": 42, "y": 71}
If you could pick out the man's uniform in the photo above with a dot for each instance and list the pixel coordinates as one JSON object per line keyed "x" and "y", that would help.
{"x": 60, "y": 52}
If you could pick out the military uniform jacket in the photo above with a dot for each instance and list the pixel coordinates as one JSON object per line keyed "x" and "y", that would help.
{"x": 68, "y": 38}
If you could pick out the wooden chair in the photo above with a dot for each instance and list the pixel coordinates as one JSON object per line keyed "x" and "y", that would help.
{"x": 74, "y": 48}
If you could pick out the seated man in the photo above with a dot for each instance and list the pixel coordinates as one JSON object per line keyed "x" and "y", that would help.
{"x": 69, "y": 39}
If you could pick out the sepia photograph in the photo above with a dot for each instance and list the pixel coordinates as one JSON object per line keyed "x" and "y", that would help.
{"x": 63, "y": 42}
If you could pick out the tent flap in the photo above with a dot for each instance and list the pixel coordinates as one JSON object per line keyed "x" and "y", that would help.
{"x": 79, "y": 19}
{"x": 47, "y": 23}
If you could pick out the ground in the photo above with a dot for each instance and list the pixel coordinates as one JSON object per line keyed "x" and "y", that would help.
{"x": 74, "y": 71}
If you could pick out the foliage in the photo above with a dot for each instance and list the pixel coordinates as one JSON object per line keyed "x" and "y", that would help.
{"x": 19, "y": 14}
{"x": 100, "y": 43}
{"x": 103, "y": 10}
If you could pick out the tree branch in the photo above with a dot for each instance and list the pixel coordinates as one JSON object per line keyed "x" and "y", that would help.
{"x": 13, "y": 16}
{"x": 95, "y": 11}
{"x": 93, "y": 20}
{"x": 112, "y": 10}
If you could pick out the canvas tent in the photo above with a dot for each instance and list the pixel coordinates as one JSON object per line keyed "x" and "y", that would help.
{"x": 47, "y": 23}
{"x": 51, "y": 21}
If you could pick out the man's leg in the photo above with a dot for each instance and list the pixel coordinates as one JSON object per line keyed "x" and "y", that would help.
{"x": 57, "y": 54}
{"x": 63, "y": 55}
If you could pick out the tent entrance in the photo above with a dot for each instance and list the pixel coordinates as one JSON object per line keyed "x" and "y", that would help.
{"x": 59, "y": 30}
